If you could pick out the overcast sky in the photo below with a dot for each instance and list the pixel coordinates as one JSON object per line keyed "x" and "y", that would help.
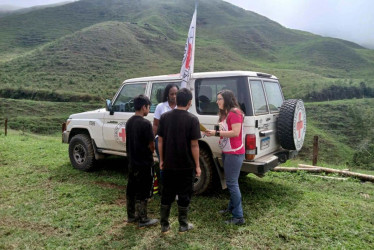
{"x": 351, "y": 20}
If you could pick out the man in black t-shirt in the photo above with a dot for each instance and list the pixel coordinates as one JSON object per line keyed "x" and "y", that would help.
{"x": 178, "y": 133}
{"x": 139, "y": 148}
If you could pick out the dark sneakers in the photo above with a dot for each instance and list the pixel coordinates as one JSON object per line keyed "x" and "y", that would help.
{"x": 235, "y": 221}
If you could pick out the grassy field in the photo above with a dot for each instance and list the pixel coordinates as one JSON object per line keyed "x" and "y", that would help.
{"x": 45, "y": 203}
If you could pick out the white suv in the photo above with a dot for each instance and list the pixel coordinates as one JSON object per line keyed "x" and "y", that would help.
{"x": 274, "y": 129}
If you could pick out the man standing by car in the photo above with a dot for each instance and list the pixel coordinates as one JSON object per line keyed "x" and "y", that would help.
{"x": 178, "y": 133}
{"x": 139, "y": 148}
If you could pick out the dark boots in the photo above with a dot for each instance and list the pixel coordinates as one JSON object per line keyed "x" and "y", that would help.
{"x": 132, "y": 215}
{"x": 165, "y": 212}
{"x": 184, "y": 226}
{"x": 144, "y": 221}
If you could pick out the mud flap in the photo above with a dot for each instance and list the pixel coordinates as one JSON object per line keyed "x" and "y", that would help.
{"x": 218, "y": 162}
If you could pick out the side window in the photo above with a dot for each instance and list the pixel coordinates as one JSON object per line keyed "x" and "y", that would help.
{"x": 207, "y": 89}
{"x": 125, "y": 99}
{"x": 258, "y": 97}
{"x": 158, "y": 92}
{"x": 274, "y": 94}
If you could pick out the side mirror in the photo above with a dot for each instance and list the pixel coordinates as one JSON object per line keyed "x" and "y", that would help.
{"x": 109, "y": 107}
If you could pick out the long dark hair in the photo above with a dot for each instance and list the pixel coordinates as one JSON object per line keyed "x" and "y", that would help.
{"x": 229, "y": 104}
{"x": 166, "y": 91}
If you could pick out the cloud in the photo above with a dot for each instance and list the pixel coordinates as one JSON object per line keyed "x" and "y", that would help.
{"x": 345, "y": 19}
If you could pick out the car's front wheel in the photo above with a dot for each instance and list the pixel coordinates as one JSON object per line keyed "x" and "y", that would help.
{"x": 81, "y": 152}
{"x": 205, "y": 181}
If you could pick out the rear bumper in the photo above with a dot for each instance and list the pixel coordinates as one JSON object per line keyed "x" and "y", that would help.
{"x": 260, "y": 166}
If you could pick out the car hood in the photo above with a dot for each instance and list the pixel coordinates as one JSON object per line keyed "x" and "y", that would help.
{"x": 98, "y": 113}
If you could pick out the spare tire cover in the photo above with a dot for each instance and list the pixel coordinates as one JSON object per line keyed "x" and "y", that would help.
{"x": 291, "y": 125}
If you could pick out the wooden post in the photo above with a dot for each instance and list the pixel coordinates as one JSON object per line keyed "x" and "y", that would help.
{"x": 315, "y": 150}
{"x": 6, "y": 126}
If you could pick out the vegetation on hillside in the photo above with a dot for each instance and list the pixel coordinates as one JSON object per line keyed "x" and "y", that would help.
{"x": 91, "y": 46}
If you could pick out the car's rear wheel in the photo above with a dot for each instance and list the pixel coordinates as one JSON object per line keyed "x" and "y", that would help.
{"x": 291, "y": 125}
{"x": 205, "y": 181}
{"x": 81, "y": 152}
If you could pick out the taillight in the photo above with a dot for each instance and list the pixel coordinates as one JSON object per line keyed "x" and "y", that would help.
{"x": 250, "y": 146}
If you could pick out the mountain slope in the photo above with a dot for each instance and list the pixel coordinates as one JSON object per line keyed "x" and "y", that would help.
{"x": 91, "y": 46}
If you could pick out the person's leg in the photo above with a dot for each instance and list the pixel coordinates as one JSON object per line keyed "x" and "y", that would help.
{"x": 232, "y": 166}
{"x": 167, "y": 198}
{"x": 132, "y": 216}
{"x": 229, "y": 207}
{"x": 144, "y": 180}
{"x": 185, "y": 190}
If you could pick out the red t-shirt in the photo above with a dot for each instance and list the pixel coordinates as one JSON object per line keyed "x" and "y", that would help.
{"x": 233, "y": 145}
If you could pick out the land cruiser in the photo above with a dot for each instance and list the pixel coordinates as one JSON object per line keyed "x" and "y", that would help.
{"x": 274, "y": 129}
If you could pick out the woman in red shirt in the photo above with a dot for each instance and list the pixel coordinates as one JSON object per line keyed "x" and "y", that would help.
{"x": 231, "y": 142}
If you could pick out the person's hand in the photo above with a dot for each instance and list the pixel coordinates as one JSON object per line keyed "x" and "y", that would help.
{"x": 198, "y": 171}
{"x": 161, "y": 165}
{"x": 210, "y": 132}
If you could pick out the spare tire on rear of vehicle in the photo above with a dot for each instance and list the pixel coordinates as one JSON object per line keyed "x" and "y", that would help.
{"x": 291, "y": 125}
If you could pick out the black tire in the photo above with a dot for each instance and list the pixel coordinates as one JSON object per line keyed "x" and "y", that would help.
{"x": 81, "y": 152}
{"x": 243, "y": 174}
{"x": 205, "y": 182}
{"x": 291, "y": 125}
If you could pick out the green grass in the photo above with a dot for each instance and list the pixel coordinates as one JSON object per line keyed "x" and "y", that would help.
{"x": 45, "y": 203}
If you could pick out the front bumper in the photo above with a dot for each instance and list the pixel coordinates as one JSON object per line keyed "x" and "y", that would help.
{"x": 65, "y": 136}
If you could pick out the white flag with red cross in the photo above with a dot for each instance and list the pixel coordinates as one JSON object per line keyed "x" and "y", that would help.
{"x": 189, "y": 52}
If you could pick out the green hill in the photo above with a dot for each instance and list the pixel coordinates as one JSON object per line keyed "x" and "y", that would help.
{"x": 92, "y": 45}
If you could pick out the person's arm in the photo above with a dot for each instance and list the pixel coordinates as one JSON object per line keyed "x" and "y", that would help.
{"x": 152, "y": 146}
{"x": 155, "y": 125}
{"x": 235, "y": 132}
{"x": 160, "y": 150}
{"x": 195, "y": 154}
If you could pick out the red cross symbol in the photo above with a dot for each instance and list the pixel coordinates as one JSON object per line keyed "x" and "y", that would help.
{"x": 299, "y": 126}
{"x": 122, "y": 134}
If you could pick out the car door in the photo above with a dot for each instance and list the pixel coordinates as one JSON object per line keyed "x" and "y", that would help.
{"x": 114, "y": 128}
{"x": 267, "y": 99}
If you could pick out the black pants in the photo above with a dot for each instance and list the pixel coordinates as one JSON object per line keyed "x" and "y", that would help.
{"x": 140, "y": 184}
{"x": 177, "y": 182}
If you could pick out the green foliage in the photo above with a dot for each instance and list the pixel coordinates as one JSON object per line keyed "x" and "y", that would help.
{"x": 91, "y": 46}
{"x": 344, "y": 127}
{"x": 364, "y": 155}
{"x": 40, "y": 116}
{"x": 45, "y": 203}
{"x": 335, "y": 92}
{"x": 46, "y": 95}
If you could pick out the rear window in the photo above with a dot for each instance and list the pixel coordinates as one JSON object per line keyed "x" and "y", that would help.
{"x": 267, "y": 96}
{"x": 258, "y": 95}
{"x": 207, "y": 89}
{"x": 274, "y": 94}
